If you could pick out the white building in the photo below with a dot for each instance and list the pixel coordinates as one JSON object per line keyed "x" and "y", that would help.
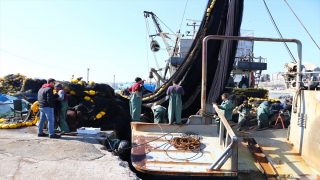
{"x": 276, "y": 76}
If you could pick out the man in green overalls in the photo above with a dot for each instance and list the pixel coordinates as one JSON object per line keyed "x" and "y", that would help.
{"x": 244, "y": 113}
{"x": 136, "y": 100}
{"x": 175, "y": 102}
{"x": 226, "y": 109}
{"x": 63, "y": 100}
{"x": 263, "y": 115}
{"x": 159, "y": 113}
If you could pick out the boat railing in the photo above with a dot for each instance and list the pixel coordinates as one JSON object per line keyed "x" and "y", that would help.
{"x": 230, "y": 148}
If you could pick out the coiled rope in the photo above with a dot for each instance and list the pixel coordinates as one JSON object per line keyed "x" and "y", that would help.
{"x": 189, "y": 141}
{"x": 185, "y": 143}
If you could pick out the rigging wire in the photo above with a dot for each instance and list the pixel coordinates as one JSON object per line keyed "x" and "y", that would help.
{"x": 154, "y": 54}
{"x": 164, "y": 24}
{"x": 183, "y": 15}
{"x": 276, "y": 27}
{"x": 37, "y": 62}
{"x": 302, "y": 25}
{"x": 147, "y": 31}
{"x": 178, "y": 36}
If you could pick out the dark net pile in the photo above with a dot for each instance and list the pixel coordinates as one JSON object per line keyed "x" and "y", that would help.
{"x": 96, "y": 106}
{"x": 228, "y": 51}
{"x": 189, "y": 73}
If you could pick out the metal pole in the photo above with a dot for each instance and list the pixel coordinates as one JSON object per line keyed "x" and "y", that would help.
{"x": 88, "y": 75}
{"x": 204, "y": 74}
{"x": 299, "y": 49}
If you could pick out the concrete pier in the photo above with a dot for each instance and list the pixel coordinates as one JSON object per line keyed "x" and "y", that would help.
{"x": 25, "y": 156}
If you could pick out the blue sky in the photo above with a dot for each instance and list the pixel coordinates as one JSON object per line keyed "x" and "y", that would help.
{"x": 47, "y": 38}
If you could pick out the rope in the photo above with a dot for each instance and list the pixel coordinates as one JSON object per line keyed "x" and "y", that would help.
{"x": 164, "y": 24}
{"x": 189, "y": 141}
{"x": 39, "y": 63}
{"x": 185, "y": 143}
{"x": 183, "y": 15}
{"x": 147, "y": 31}
{"x": 302, "y": 25}
{"x": 116, "y": 151}
{"x": 155, "y": 58}
{"x": 275, "y": 25}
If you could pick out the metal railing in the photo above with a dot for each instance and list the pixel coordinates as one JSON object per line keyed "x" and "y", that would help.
{"x": 231, "y": 149}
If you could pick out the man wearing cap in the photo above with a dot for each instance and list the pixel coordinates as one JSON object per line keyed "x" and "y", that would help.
{"x": 46, "y": 104}
{"x": 275, "y": 108}
{"x": 226, "y": 108}
{"x": 63, "y": 99}
{"x": 244, "y": 113}
{"x": 136, "y": 99}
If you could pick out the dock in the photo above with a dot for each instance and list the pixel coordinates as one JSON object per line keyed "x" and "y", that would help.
{"x": 25, "y": 156}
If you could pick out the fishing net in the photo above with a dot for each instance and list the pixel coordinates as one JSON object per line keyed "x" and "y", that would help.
{"x": 228, "y": 50}
{"x": 32, "y": 85}
{"x": 11, "y": 83}
{"x": 189, "y": 74}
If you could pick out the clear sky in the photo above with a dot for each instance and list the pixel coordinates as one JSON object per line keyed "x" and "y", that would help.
{"x": 61, "y": 38}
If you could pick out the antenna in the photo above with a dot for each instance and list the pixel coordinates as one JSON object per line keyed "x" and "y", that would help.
{"x": 193, "y": 20}
{"x": 194, "y": 24}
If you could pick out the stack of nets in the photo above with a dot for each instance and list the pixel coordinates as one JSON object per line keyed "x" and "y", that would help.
{"x": 11, "y": 83}
{"x": 95, "y": 105}
{"x": 252, "y": 92}
{"x": 21, "y": 87}
{"x": 32, "y": 85}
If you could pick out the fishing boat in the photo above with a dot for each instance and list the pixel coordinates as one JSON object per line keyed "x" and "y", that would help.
{"x": 197, "y": 148}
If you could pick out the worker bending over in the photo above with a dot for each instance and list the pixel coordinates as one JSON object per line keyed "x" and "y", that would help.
{"x": 159, "y": 112}
{"x": 263, "y": 115}
{"x": 244, "y": 115}
{"x": 275, "y": 108}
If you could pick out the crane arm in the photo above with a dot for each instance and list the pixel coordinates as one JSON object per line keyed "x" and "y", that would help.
{"x": 158, "y": 75}
{"x": 163, "y": 36}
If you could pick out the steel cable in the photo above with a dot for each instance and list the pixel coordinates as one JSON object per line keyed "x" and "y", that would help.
{"x": 276, "y": 27}
{"x": 302, "y": 25}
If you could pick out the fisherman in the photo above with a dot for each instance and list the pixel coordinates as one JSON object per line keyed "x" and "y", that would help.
{"x": 263, "y": 115}
{"x": 226, "y": 109}
{"x": 287, "y": 108}
{"x": 136, "y": 99}
{"x": 63, "y": 100}
{"x": 284, "y": 104}
{"x": 175, "y": 102}
{"x": 275, "y": 108}
{"x": 159, "y": 113}
{"x": 244, "y": 113}
{"x": 46, "y": 103}
{"x": 291, "y": 100}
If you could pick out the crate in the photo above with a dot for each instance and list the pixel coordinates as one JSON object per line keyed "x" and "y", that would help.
{"x": 88, "y": 130}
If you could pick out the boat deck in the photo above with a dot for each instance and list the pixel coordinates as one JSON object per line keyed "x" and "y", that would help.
{"x": 159, "y": 157}
{"x": 286, "y": 161}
